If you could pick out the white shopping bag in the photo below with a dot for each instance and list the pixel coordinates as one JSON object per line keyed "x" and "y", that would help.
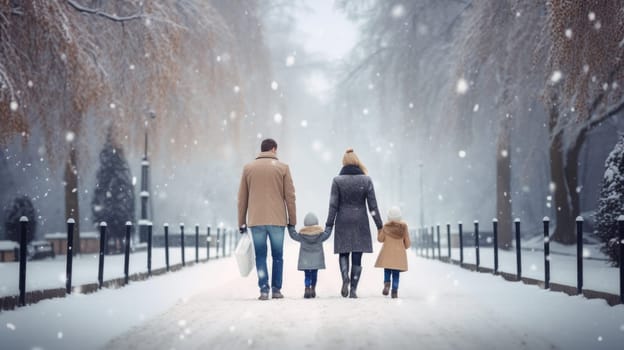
{"x": 245, "y": 256}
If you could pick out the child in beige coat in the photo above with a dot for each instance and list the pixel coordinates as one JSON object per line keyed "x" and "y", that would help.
{"x": 392, "y": 258}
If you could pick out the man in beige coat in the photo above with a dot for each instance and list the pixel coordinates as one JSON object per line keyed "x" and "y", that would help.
{"x": 266, "y": 204}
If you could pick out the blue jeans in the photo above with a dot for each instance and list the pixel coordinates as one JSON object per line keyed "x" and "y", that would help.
{"x": 395, "y": 277}
{"x": 310, "y": 277}
{"x": 259, "y": 236}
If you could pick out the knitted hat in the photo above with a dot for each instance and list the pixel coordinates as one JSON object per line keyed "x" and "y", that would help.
{"x": 394, "y": 214}
{"x": 310, "y": 220}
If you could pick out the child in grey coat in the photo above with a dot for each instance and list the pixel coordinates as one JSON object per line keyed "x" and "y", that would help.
{"x": 311, "y": 256}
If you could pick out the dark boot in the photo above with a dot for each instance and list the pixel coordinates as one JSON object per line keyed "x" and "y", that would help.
{"x": 277, "y": 294}
{"x": 344, "y": 271}
{"x": 313, "y": 292}
{"x": 395, "y": 293}
{"x": 306, "y": 294}
{"x": 386, "y": 289}
{"x": 356, "y": 271}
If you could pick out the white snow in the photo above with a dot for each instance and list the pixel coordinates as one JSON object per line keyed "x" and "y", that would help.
{"x": 440, "y": 306}
{"x": 461, "y": 153}
{"x": 13, "y": 105}
{"x": 8, "y": 245}
{"x": 556, "y": 76}
{"x": 462, "y": 86}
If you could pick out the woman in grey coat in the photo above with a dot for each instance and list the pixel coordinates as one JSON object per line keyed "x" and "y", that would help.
{"x": 351, "y": 190}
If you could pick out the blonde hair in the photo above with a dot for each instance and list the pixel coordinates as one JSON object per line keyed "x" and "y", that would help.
{"x": 350, "y": 158}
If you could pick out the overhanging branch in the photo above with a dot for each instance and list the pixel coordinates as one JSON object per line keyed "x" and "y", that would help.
{"x": 98, "y": 12}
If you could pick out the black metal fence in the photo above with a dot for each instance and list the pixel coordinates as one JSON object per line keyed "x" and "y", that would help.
{"x": 225, "y": 242}
{"x": 426, "y": 244}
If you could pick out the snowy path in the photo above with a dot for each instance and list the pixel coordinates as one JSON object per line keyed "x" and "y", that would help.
{"x": 440, "y": 307}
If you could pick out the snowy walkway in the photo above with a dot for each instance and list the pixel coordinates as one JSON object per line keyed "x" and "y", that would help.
{"x": 207, "y": 306}
{"x": 440, "y": 307}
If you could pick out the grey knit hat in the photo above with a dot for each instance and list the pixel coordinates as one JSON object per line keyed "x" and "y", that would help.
{"x": 310, "y": 220}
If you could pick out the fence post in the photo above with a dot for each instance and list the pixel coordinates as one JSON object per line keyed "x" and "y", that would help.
{"x": 518, "y": 253}
{"x": 166, "y": 227}
{"x": 476, "y": 233}
{"x": 208, "y": 239}
{"x": 621, "y": 244}
{"x": 438, "y": 236}
{"x": 70, "y": 255}
{"x": 196, "y": 243}
{"x": 182, "y": 242}
{"x": 461, "y": 244}
{"x": 546, "y": 252}
{"x": 102, "y": 247}
{"x": 127, "y": 251}
{"x": 579, "y": 254}
{"x": 149, "y": 248}
{"x": 223, "y": 244}
{"x": 495, "y": 228}
{"x": 218, "y": 241}
{"x": 22, "y": 260}
{"x": 448, "y": 240}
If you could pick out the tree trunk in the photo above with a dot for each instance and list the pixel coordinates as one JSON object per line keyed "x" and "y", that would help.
{"x": 71, "y": 196}
{"x": 572, "y": 169}
{"x": 503, "y": 185}
{"x": 564, "y": 231}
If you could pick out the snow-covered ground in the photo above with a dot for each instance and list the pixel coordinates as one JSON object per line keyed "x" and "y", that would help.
{"x": 50, "y": 273}
{"x": 598, "y": 275}
{"x": 208, "y": 306}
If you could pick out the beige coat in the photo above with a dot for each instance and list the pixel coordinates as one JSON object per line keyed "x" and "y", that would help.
{"x": 266, "y": 195}
{"x": 395, "y": 238}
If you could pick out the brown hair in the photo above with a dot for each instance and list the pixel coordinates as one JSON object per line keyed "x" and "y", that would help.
{"x": 350, "y": 158}
{"x": 267, "y": 145}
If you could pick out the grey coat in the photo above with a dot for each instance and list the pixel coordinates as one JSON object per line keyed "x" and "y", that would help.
{"x": 350, "y": 192}
{"x": 311, "y": 255}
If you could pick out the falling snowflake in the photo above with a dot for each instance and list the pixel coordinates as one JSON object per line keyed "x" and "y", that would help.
{"x": 304, "y": 123}
{"x": 504, "y": 153}
{"x": 13, "y": 106}
{"x": 59, "y": 335}
{"x": 182, "y": 323}
{"x": 290, "y": 60}
{"x": 236, "y": 89}
{"x": 556, "y": 76}
{"x": 475, "y": 108}
{"x": 10, "y": 326}
{"x": 411, "y": 105}
{"x": 597, "y": 25}
{"x": 552, "y": 187}
{"x": 592, "y": 16}
{"x": 568, "y": 33}
{"x": 259, "y": 135}
{"x": 274, "y": 85}
{"x": 134, "y": 180}
{"x": 317, "y": 145}
{"x": 462, "y": 86}
{"x": 462, "y": 154}
{"x": 70, "y": 136}
{"x": 277, "y": 118}
{"x": 365, "y": 111}
{"x": 398, "y": 11}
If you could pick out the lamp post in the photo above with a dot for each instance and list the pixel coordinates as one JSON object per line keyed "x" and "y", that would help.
{"x": 422, "y": 197}
{"x": 145, "y": 188}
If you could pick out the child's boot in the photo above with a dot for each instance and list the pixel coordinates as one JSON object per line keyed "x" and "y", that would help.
{"x": 386, "y": 289}
{"x": 395, "y": 293}
{"x": 313, "y": 292}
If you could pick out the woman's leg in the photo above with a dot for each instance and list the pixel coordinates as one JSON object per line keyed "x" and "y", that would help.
{"x": 356, "y": 258}
{"x": 356, "y": 271}
{"x": 308, "y": 278}
{"x": 344, "y": 271}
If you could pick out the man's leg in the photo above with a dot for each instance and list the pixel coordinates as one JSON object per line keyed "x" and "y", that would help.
{"x": 276, "y": 238}
{"x": 259, "y": 236}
